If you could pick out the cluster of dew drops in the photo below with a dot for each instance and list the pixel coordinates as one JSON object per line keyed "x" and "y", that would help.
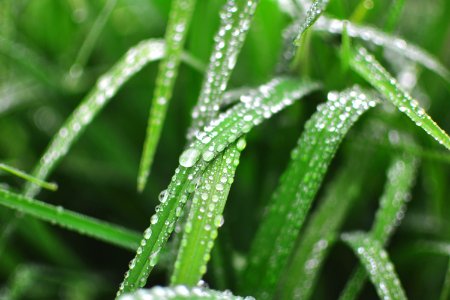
{"x": 228, "y": 41}
{"x": 182, "y": 291}
{"x": 254, "y": 107}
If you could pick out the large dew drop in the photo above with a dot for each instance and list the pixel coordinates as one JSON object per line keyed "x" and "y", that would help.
{"x": 189, "y": 157}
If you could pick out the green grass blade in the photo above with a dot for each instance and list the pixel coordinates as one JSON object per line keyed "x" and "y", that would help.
{"x": 367, "y": 66}
{"x": 274, "y": 96}
{"x": 176, "y": 32}
{"x": 400, "y": 178}
{"x": 181, "y": 292}
{"x": 88, "y": 45}
{"x": 71, "y": 220}
{"x": 378, "y": 37}
{"x": 298, "y": 186}
{"x": 205, "y": 217}
{"x": 377, "y": 264}
{"x": 261, "y": 104}
{"x": 323, "y": 229}
{"x": 106, "y": 88}
{"x": 235, "y": 20}
{"x": 43, "y": 184}
{"x": 314, "y": 12}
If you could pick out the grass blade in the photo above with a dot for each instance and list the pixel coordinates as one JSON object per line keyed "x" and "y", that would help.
{"x": 235, "y": 19}
{"x": 274, "y": 96}
{"x": 181, "y": 292}
{"x": 323, "y": 228}
{"x": 314, "y": 12}
{"x": 88, "y": 45}
{"x": 400, "y": 178}
{"x": 261, "y": 104}
{"x": 71, "y": 220}
{"x": 205, "y": 217}
{"x": 378, "y": 37}
{"x": 43, "y": 184}
{"x": 298, "y": 186}
{"x": 91, "y": 105}
{"x": 177, "y": 28}
{"x": 367, "y": 66}
{"x": 377, "y": 264}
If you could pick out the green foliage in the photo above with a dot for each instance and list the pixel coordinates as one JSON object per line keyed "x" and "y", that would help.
{"x": 216, "y": 229}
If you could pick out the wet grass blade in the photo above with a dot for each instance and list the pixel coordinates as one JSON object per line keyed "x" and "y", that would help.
{"x": 92, "y": 104}
{"x": 298, "y": 186}
{"x": 181, "y": 292}
{"x": 314, "y": 12}
{"x": 258, "y": 105}
{"x": 235, "y": 20}
{"x": 205, "y": 217}
{"x": 43, "y": 184}
{"x": 82, "y": 224}
{"x": 176, "y": 32}
{"x": 367, "y": 66}
{"x": 378, "y": 37}
{"x": 275, "y": 97}
{"x": 377, "y": 264}
{"x": 400, "y": 178}
{"x": 323, "y": 229}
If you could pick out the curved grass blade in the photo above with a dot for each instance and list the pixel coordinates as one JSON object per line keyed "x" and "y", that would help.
{"x": 367, "y": 66}
{"x": 274, "y": 97}
{"x": 314, "y": 12}
{"x": 235, "y": 19}
{"x": 298, "y": 186}
{"x": 181, "y": 292}
{"x": 177, "y": 28}
{"x": 43, "y": 184}
{"x": 205, "y": 217}
{"x": 136, "y": 58}
{"x": 400, "y": 178}
{"x": 322, "y": 230}
{"x": 261, "y": 104}
{"x": 377, "y": 264}
{"x": 71, "y": 220}
{"x": 378, "y": 37}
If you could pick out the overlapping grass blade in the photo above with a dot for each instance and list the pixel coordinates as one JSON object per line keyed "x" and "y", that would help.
{"x": 314, "y": 12}
{"x": 367, "y": 66}
{"x": 43, "y": 184}
{"x": 377, "y": 264}
{"x": 378, "y": 37}
{"x": 205, "y": 217}
{"x": 181, "y": 292}
{"x": 323, "y": 229}
{"x": 136, "y": 58}
{"x": 176, "y": 32}
{"x": 274, "y": 96}
{"x": 400, "y": 178}
{"x": 71, "y": 220}
{"x": 235, "y": 19}
{"x": 298, "y": 186}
